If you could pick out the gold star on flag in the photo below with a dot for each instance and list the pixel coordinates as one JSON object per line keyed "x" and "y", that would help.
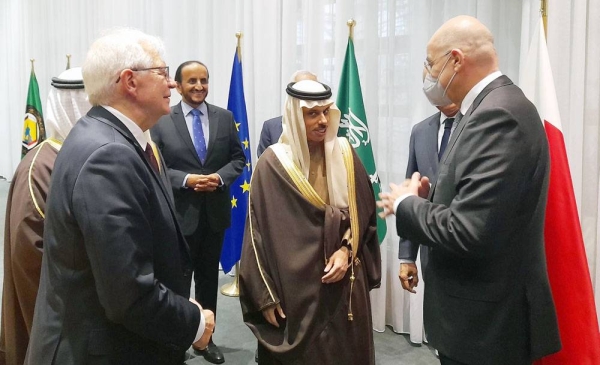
{"x": 233, "y": 202}
{"x": 246, "y": 143}
{"x": 237, "y": 126}
{"x": 245, "y": 187}
{"x": 248, "y": 165}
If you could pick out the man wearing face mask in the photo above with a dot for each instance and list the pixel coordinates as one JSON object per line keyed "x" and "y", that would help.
{"x": 487, "y": 299}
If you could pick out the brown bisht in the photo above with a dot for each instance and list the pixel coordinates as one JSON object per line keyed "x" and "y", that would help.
{"x": 23, "y": 234}
{"x": 287, "y": 241}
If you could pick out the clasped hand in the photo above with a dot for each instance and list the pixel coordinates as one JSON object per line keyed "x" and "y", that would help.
{"x": 203, "y": 182}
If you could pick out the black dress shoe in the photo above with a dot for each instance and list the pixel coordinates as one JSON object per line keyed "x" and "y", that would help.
{"x": 211, "y": 353}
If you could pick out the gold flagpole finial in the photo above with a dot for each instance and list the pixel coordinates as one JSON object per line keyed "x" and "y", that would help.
{"x": 239, "y": 45}
{"x": 68, "y": 61}
{"x": 32, "y": 60}
{"x": 351, "y": 23}
{"x": 544, "y": 12}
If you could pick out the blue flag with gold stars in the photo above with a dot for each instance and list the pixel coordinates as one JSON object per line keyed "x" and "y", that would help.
{"x": 239, "y": 191}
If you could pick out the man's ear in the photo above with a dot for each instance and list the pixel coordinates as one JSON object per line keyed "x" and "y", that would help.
{"x": 129, "y": 81}
{"x": 458, "y": 59}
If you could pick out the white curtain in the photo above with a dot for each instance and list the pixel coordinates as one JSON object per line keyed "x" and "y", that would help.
{"x": 280, "y": 37}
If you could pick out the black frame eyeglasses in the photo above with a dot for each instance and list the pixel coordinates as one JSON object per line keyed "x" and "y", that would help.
{"x": 163, "y": 71}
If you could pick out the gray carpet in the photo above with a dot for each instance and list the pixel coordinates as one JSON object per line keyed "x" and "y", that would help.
{"x": 238, "y": 343}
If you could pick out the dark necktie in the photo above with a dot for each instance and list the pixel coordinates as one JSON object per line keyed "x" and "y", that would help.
{"x": 198, "y": 135}
{"x": 445, "y": 136}
{"x": 151, "y": 158}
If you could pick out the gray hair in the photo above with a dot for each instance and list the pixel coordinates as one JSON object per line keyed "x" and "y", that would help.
{"x": 117, "y": 49}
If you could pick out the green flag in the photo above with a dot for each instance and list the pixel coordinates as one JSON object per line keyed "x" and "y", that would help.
{"x": 34, "y": 131}
{"x": 354, "y": 124}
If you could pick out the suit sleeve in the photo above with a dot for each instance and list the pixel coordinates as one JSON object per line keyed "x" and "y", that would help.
{"x": 265, "y": 140}
{"x": 113, "y": 205}
{"x": 406, "y": 249}
{"x": 490, "y": 176}
{"x": 237, "y": 160}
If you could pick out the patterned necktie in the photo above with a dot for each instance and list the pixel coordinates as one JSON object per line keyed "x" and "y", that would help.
{"x": 445, "y": 136}
{"x": 198, "y": 135}
{"x": 151, "y": 158}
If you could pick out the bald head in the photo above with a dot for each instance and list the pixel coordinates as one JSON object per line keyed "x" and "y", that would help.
{"x": 466, "y": 33}
{"x": 472, "y": 56}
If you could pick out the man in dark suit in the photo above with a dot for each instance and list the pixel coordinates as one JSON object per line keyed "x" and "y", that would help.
{"x": 116, "y": 269}
{"x": 487, "y": 298}
{"x": 428, "y": 140}
{"x": 270, "y": 133}
{"x": 204, "y": 156}
{"x": 272, "y": 128}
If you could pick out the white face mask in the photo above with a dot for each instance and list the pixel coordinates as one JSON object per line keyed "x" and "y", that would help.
{"x": 433, "y": 89}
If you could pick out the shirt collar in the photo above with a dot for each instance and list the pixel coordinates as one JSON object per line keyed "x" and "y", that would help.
{"x": 135, "y": 129}
{"x": 186, "y": 108}
{"x": 444, "y": 117}
{"x": 478, "y": 88}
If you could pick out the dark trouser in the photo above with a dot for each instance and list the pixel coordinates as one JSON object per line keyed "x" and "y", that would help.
{"x": 447, "y": 361}
{"x": 205, "y": 249}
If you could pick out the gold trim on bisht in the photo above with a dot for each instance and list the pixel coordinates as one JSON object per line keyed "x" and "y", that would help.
{"x": 260, "y": 268}
{"x": 298, "y": 177}
{"x": 57, "y": 145}
{"x": 354, "y": 225}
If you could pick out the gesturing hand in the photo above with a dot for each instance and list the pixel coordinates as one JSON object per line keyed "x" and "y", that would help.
{"x": 413, "y": 186}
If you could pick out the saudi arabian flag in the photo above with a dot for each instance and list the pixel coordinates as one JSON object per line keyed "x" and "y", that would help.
{"x": 34, "y": 131}
{"x": 354, "y": 124}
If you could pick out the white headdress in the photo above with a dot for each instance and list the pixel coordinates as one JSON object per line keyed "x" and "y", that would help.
{"x": 67, "y": 102}
{"x": 308, "y": 94}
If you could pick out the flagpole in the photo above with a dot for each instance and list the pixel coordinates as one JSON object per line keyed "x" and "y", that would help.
{"x": 233, "y": 289}
{"x": 239, "y": 47}
{"x": 351, "y": 23}
{"x": 544, "y": 11}
{"x": 68, "y": 61}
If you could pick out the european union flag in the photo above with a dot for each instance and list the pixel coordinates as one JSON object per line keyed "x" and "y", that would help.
{"x": 232, "y": 245}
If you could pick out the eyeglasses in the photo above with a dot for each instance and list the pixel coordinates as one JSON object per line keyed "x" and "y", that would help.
{"x": 161, "y": 70}
{"x": 429, "y": 65}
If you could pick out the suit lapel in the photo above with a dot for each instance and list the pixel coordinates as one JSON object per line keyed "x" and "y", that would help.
{"x": 184, "y": 133}
{"x": 104, "y": 116}
{"x": 213, "y": 127}
{"x": 499, "y": 82}
{"x": 431, "y": 144}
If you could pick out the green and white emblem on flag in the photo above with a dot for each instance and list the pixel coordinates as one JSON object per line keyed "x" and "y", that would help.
{"x": 353, "y": 124}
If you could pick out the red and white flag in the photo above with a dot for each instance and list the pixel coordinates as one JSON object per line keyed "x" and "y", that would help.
{"x": 565, "y": 252}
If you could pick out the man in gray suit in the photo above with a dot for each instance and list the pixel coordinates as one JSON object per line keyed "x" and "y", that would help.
{"x": 204, "y": 156}
{"x": 487, "y": 298}
{"x": 428, "y": 140}
{"x": 116, "y": 269}
{"x": 272, "y": 128}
